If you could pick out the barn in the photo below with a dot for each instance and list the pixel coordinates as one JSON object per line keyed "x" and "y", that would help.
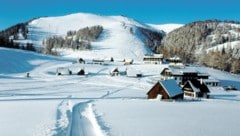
{"x": 165, "y": 89}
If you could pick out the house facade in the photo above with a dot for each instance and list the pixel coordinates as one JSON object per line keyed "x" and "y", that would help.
{"x": 153, "y": 59}
{"x": 181, "y": 74}
{"x": 195, "y": 89}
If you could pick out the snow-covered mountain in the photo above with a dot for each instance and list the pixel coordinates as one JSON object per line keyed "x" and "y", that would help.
{"x": 124, "y": 38}
{"x": 120, "y": 38}
{"x": 166, "y": 27}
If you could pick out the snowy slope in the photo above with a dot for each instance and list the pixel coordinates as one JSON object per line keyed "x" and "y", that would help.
{"x": 154, "y": 118}
{"x": 99, "y": 104}
{"x": 18, "y": 61}
{"x": 228, "y": 45}
{"x": 115, "y": 41}
{"x": 166, "y": 27}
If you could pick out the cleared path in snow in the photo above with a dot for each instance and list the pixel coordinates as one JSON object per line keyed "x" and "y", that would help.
{"x": 82, "y": 124}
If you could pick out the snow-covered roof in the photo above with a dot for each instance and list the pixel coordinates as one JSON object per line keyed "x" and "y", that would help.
{"x": 203, "y": 74}
{"x": 210, "y": 80}
{"x": 153, "y": 56}
{"x": 171, "y": 87}
{"x": 193, "y": 87}
{"x": 181, "y": 71}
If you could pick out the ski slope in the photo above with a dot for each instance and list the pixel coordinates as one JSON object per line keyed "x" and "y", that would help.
{"x": 99, "y": 104}
{"x": 116, "y": 39}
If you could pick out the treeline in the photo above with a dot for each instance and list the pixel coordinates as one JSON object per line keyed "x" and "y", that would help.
{"x": 87, "y": 33}
{"x": 153, "y": 39}
{"x": 15, "y": 32}
{"x": 77, "y": 40}
{"x": 223, "y": 60}
{"x": 201, "y": 34}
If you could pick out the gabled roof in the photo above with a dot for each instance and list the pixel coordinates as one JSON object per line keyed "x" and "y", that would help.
{"x": 195, "y": 84}
{"x": 171, "y": 87}
{"x": 195, "y": 89}
{"x": 114, "y": 70}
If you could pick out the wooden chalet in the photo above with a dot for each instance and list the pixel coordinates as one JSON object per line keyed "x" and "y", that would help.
{"x": 153, "y": 59}
{"x": 181, "y": 74}
{"x": 165, "y": 89}
{"x": 195, "y": 89}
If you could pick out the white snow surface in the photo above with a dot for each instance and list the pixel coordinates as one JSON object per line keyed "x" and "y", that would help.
{"x": 98, "y": 104}
{"x": 115, "y": 40}
{"x": 230, "y": 45}
{"x": 166, "y": 27}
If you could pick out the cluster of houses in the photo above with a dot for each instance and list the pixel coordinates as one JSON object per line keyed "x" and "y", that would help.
{"x": 180, "y": 82}
{"x": 176, "y": 81}
{"x": 129, "y": 72}
{"x": 159, "y": 59}
{"x": 67, "y": 71}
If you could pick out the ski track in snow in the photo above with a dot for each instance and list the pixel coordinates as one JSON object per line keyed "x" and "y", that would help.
{"x": 83, "y": 121}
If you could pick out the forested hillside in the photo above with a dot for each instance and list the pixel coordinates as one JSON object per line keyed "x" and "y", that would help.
{"x": 212, "y": 43}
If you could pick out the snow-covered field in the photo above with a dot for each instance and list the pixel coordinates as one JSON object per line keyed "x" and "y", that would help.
{"x": 98, "y": 104}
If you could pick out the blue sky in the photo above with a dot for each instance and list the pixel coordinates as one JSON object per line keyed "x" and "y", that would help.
{"x": 148, "y": 11}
